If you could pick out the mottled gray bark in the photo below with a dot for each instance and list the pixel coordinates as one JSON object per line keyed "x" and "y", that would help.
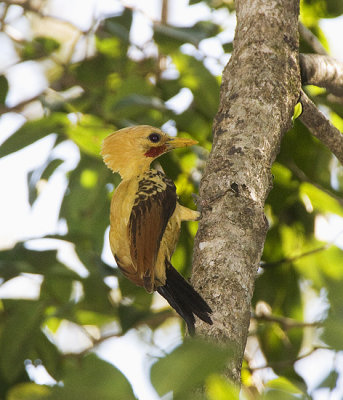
{"x": 260, "y": 86}
{"x": 323, "y": 71}
{"x": 321, "y": 127}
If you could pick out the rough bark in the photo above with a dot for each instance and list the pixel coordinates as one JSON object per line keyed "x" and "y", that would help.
{"x": 321, "y": 127}
{"x": 260, "y": 87}
{"x": 323, "y": 71}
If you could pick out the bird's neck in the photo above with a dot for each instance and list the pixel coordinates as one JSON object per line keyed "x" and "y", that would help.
{"x": 128, "y": 165}
{"x": 132, "y": 170}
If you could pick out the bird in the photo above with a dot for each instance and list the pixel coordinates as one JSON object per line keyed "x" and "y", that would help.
{"x": 145, "y": 218}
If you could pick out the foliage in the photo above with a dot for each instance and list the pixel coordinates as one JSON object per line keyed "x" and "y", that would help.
{"x": 119, "y": 84}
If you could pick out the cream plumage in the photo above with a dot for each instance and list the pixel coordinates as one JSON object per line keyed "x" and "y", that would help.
{"x": 146, "y": 217}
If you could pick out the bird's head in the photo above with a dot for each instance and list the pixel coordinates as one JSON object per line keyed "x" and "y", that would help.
{"x": 131, "y": 150}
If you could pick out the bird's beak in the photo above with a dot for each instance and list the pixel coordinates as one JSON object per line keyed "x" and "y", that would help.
{"x": 177, "y": 142}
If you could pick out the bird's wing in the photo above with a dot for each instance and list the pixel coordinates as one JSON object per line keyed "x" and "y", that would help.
{"x": 154, "y": 205}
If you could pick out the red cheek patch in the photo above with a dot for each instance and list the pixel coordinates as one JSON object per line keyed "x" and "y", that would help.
{"x": 155, "y": 151}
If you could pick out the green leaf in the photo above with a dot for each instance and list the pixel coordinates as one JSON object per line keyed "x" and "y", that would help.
{"x": 333, "y": 325}
{"x": 134, "y": 98}
{"x": 3, "y": 89}
{"x": 32, "y": 131}
{"x": 169, "y": 38}
{"x": 314, "y": 162}
{"x": 97, "y": 295}
{"x": 323, "y": 264}
{"x": 282, "y": 388}
{"x": 110, "y": 47}
{"x": 195, "y": 123}
{"x": 88, "y": 133}
{"x": 50, "y": 168}
{"x": 134, "y": 105}
{"x": 335, "y": 295}
{"x": 298, "y": 109}
{"x": 320, "y": 200}
{"x": 330, "y": 381}
{"x": 87, "y": 317}
{"x": 272, "y": 394}
{"x": 313, "y": 10}
{"x": 168, "y": 88}
{"x": 20, "y": 259}
{"x": 337, "y": 121}
{"x": 86, "y": 207}
{"x": 285, "y": 205}
{"x": 283, "y": 176}
{"x": 93, "y": 379}
{"x": 130, "y": 316}
{"x": 283, "y": 384}
{"x": 118, "y": 26}
{"x": 91, "y": 75}
{"x": 277, "y": 343}
{"x": 204, "y": 86}
{"x": 41, "y": 174}
{"x": 56, "y": 289}
{"x": 39, "y": 47}
{"x": 333, "y": 332}
{"x": 188, "y": 366}
{"x": 334, "y": 8}
{"x": 284, "y": 299}
{"x": 29, "y": 391}
{"x": 49, "y": 355}
{"x": 228, "y": 47}
{"x": 18, "y": 337}
{"x": 141, "y": 299}
{"x": 219, "y": 388}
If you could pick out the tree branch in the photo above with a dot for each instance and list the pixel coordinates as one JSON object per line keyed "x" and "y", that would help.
{"x": 162, "y": 59}
{"x": 3, "y": 17}
{"x": 292, "y": 361}
{"x": 286, "y": 323}
{"x": 295, "y": 258}
{"x": 322, "y": 71}
{"x": 312, "y": 40}
{"x": 29, "y": 6}
{"x": 300, "y": 174}
{"x": 321, "y": 127}
{"x": 260, "y": 87}
{"x": 20, "y": 106}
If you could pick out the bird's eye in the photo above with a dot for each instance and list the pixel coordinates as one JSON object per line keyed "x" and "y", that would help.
{"x": 154, "y": 137}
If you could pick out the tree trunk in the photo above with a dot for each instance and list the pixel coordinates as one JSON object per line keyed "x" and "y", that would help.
{"x": 260, "y": 86}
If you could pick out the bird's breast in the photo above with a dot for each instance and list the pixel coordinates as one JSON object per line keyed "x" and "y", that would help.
{"x": 145, "y": 224}
{"x": 121, "y": 206}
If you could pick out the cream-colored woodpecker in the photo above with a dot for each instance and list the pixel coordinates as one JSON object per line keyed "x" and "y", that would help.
{"x": 145, "y": 218}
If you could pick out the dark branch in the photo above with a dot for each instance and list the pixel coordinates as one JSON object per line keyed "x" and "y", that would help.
{"x": 321, "y": 127}
{"x": 323, "y": 71}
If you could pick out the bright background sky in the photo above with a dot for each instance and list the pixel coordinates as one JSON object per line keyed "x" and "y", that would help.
{"x": 18, "y": 221}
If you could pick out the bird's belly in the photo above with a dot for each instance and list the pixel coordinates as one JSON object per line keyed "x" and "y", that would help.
{"x": 167, "y": 247}
{"x": 121, "y": 207}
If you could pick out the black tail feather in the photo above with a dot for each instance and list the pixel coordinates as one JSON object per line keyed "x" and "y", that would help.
{"x": 184, "y": 299}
